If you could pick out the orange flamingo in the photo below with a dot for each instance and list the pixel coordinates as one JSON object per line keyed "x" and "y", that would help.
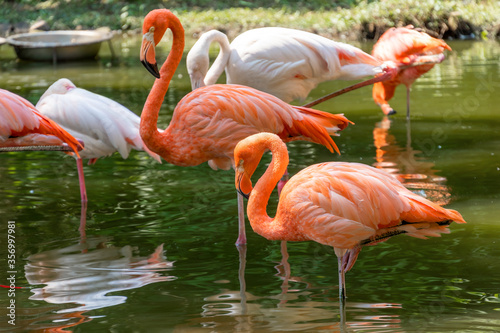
{"x": 344, "y": 205}
{"x": 414, "y": 52}
{"x": 208, "y": 123}
{"x": 22, "y": 127}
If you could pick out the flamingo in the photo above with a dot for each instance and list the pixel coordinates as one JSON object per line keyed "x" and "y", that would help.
{"x": 414, "y": 52}
{"x": 286, "y": 63}
{"x": 208, "y": 122}
{"x": 104, "y": 125}
{"x": 340, "y": 204}
{"x": 23, "y": 127}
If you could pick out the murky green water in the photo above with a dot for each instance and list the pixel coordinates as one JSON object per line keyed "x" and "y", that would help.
{"x": 158, "y": 250}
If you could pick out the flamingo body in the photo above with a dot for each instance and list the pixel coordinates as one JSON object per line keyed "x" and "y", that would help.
{"x": 343, "y": 205}
{"x": 21, "y": 124}
{"x": 209, "y": 122}
{"x": 286, "y": 63}
{"x": 104, "y": 125}
{"x": 415, "y": 52}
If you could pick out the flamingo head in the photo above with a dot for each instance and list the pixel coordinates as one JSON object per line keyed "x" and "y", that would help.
{"x": 154, "y": 27}
{"x": 244, "y": 171}
{"x": 246, "y": 159}
{"x": 197, "y": 66}
{"x": 61, "y": 86}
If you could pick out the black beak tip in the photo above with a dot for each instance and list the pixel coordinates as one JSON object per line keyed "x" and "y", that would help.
{"x": 152, "y": 68}
{"x": 244, "y": 195}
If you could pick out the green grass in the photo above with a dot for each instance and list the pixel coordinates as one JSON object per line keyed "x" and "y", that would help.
{"x": 350, "y": 19}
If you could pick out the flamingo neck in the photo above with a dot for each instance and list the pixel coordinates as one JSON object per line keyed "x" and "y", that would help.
{"x": 149, "y": 117}
{"x": 222, "y": 59}
{"x": 261, "y": 223}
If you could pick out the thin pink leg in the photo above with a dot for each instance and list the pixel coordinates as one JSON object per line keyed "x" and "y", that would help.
{"x": 282, "y": 182}
{"x": 83, "y": 222}
{"x": 341, "y": 265}
{"x": 242, "y": 249}
{"x": 379, "y": 78}
{"x": 81, "y": 179}
{"x": 242, "y": 238}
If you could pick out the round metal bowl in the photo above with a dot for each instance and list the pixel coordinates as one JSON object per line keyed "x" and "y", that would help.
{"x": 59, "y": 45}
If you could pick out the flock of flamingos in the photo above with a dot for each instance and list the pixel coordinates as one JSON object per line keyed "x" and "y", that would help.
{"x": 343, "y": 205}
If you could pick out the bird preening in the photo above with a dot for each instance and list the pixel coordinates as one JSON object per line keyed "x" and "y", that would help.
{"x": 289, "y": 63}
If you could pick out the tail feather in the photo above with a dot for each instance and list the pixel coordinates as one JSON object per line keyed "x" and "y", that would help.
{"x": 424, "y": 210}
{"x": 50, "y": 127}
{"x": 317, "y": 126}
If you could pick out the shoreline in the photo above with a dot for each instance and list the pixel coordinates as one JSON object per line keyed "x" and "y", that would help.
{"x": 448, "y": 19}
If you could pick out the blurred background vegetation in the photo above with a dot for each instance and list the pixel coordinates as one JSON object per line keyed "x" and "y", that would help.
{"x": 346, "y": 19}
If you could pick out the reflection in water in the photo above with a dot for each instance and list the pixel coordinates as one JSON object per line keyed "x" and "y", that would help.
{"x": 303, "y": 307}
{"x": 413, "y": 171}
{"x": 85, "y": 274}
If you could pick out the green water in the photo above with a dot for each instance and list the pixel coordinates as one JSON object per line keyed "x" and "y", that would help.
{"x": 158, "y": 253}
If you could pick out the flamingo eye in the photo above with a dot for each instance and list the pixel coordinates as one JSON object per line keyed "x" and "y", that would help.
{"x": 152, "y": 29}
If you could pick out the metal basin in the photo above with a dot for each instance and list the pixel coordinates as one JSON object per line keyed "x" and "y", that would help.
{"x": 58, "y": 45}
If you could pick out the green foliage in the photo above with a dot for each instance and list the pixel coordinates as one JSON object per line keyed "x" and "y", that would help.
{"x": 352, "y": 18}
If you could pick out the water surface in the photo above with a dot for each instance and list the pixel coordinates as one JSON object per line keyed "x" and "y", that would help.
{"x": 157, "y": 253}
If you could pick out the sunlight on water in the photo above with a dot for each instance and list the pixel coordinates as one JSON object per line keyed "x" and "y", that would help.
{"x": 157, "y": 249}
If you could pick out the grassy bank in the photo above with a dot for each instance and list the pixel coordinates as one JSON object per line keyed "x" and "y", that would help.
{"x": 347, "y": 19}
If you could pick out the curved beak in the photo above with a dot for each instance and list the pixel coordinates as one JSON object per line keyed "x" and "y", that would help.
{"x": 239, "y": 177}
{"x": 148, "y": 56}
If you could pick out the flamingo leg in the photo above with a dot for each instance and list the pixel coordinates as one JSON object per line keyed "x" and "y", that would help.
{"x": 83, "y": 222}
{"x": 81, "y": 179}
{"x": 242, "y": 238}
{"x": 379, "y": 78}
{"x": 282, "y": 182}
{"x": 242, "y": 250}
{"x": 408, "y": 103}
{"x": 341, "y": 264}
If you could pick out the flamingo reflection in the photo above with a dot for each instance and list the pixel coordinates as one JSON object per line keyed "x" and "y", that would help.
{"x": 81, "y": 278}
{"x": 412, "y": 170}
{"x": 300, "y": 305}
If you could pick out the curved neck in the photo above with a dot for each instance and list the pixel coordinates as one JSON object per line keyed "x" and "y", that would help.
{"x": 149, "y": 117}
{"x": 257, "y": 205}
{"x": 220, "y": 62}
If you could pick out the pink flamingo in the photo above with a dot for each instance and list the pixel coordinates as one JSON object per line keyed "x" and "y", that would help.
{"x": 104, "y": 125}
{"x": 414, "y": 52}
{"x": 209, "y": 122}
{"x": 23, "y": 127}
{"x": 343, "y": 205}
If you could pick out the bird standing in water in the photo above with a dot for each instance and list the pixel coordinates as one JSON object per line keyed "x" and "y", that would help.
{"x": 105, "y": 126}
{"x": 414, "y": 52}
{"x": 208, "y": 123}
{"x": 23, "y": 127}
{"x": 343, "y": 205}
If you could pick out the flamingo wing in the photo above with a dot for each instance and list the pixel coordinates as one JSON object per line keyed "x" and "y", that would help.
{"x": 397, "y": 44}
{"x": 289, "y": 63}
{"x": 20, "y": 118}
{"x": 217, "y": 117}
{"x": 347, "y": 204}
